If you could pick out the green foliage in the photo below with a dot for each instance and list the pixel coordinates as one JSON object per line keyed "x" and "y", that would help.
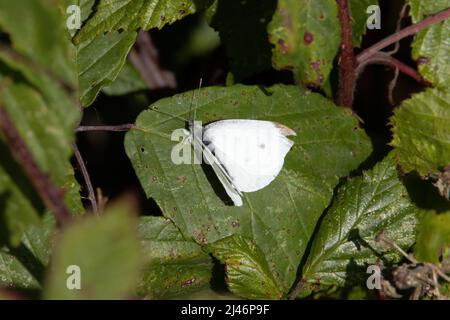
{"x": 23, "y": 267}
{"x": 105, "y": 250}
{"x": 433, "y": 237}
{"x": 431, "y": 47}
{"x": 246, "y": 41}
{"x": 359, "y": 18}
{"x": 305, "y": 35}
{"x": 345, "y": 243}
{"x": 94, "y": 62}
{"x": 38, "y": 82}
{"x": 320, "y": 221}
{"x": 248, "y": 274}
{"x": 173, "y": 266}
{"x": 421, "y": 128}
{"x": 282, "y": 215}
{"x": 94, "y": 57}
{"x": 128, "y": 81}
{"x": 421, "y": 8}
{"x": 130, "y": 15}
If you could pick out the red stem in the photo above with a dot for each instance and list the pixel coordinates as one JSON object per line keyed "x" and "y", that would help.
{"x": 409, "y": 31}
{"x": 385, "y": 59}
{"x": 50, "y": 195}
{"x": 144, "y": 57}
{"x": 347, "y": 58}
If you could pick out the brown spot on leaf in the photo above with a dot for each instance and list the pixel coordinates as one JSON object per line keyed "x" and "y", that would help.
{"x": 162, "y": 18}
{"x": 283, "y": 46}
{"x": 315, "y": 65}
{"x": 287, "y": 21}
{"x": 423, "y": 60}
{"x": 235, "y": 224}
{"x": 316, "y": 285}
{"x": 154, "y": 179}
{"x": 188, "y": 283}
{"x": 200, "y": 237}
{"x": 308, "y": 38}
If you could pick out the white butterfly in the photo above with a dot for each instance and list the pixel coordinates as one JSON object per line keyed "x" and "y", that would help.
{"x": 246, "y": 155}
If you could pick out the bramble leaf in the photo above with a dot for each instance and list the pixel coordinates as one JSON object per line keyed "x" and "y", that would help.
{"x": 431, "y": 46}
{"x": 100, "y": 254}
{"x": 173, "y": 266}
{"x": 345, "y": 244}
{"x": 132, "y": 15}
{"x": 421, "y": 127}
{"x": 283, "y": 215}
{"x": 306, "y": 36}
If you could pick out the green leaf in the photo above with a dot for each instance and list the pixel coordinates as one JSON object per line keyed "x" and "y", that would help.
{"x": 23, "y": 267}
{"x": 173, "y": 266}
{"x": 283, "y": 215}
{"x": 43, "y": 38}
{"x": 431, "y": 46}
{"x": 100, "y": 62}
{"x": 248, "y": 274}
{"x": 245, "y": 35}
{"x": 345, "y": 243}
{"x": 421, "y": 127}
{"x": 433, "y": 236}
{"x": 419, "y": 9}
{"x": 37, "y": 90}
{"x": 306, "y": 36}
{"x": 131, "y": 15}
{"x": 128, "y": 81}
{"x": 106, "y": 250}
{"x": 359, "y": 17}
{"x": 14, "y": 274}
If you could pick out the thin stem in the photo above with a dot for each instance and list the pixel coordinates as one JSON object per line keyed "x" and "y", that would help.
{"x": 50, "y": 195}
{"x": 87, "y": 179}
{"x": 382, "y": 238}
{"x": 385, "y": 59}
{"x": 439, "y": 272}
{"x": 118, "y": 128}
{"x": 409, "y": 31}
{"x": 399, "y": 26}
{"x": 347, "y": 57}
{"x": 392, "y": 85}
{"x": 144, "y": 57}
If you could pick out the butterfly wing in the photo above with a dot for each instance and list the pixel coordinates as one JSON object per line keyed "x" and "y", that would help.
{"x": 220, "y": 172}
{"x": 251, "y": 151}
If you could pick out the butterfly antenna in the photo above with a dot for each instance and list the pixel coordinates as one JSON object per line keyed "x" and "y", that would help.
{"x": 167, "y": 114}
{"x": 192, "y": 101}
